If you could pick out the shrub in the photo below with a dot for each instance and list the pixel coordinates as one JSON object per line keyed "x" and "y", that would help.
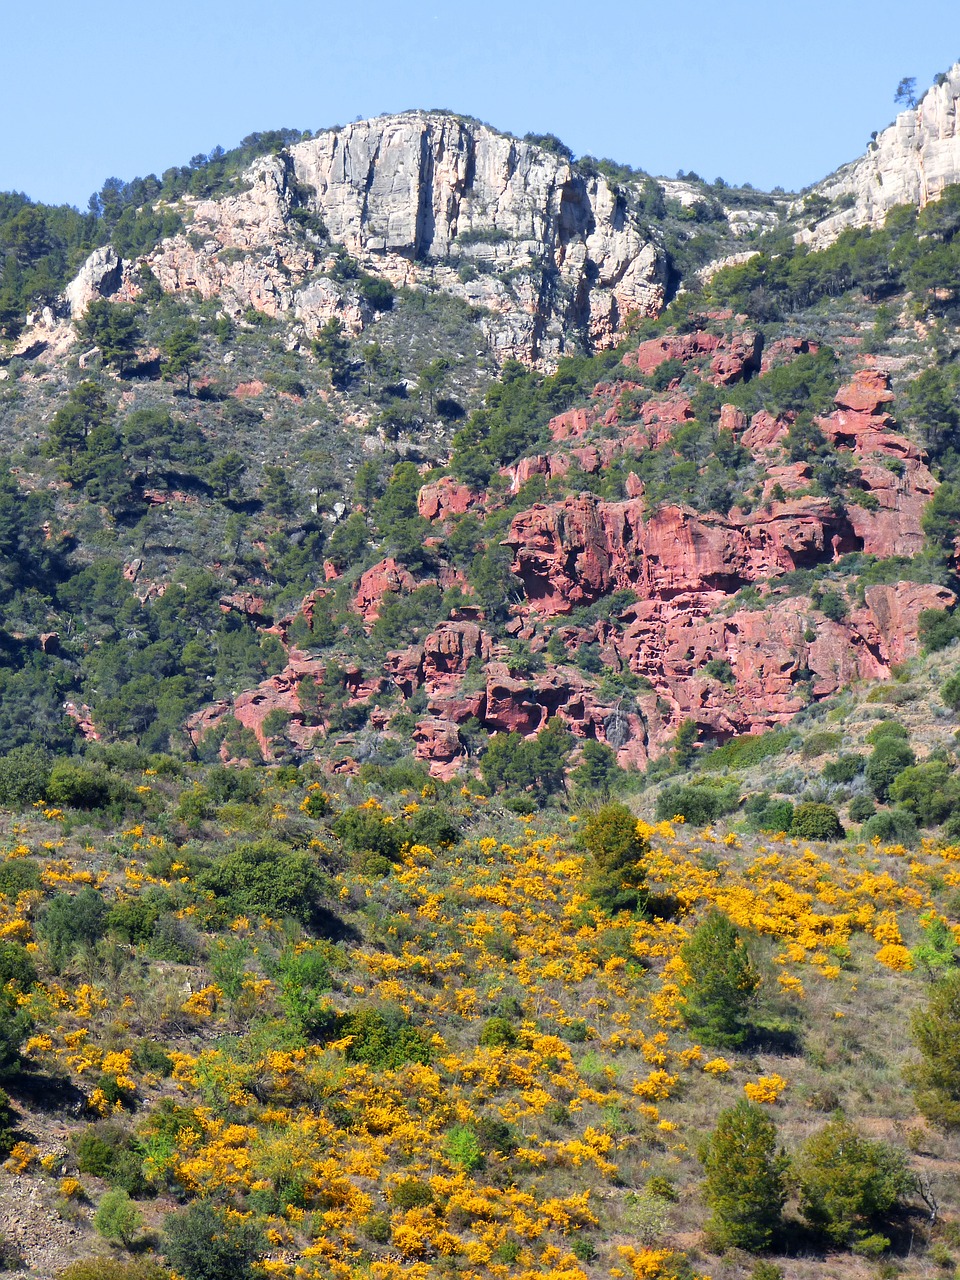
{"x": 722, "y": 983}
{"x": 950, "y": 692}
{"x": 887, "y": 729}
{"x": 410, "y": 1193}
{"x": 203, "y": 1243}
{"x": 745, "y": 1178}
{"x": 498, "y": 1031}
{"x": 617, "y": 882}
{"x": 890, "y": 757}
{"x": 266, "y": 878}
{"x": 936, "y": 1076}
{"x": 24, "y": 774}
{"x": 462, "y": 1149}
{"x": 747, "y": 750}
{"x": 71, "y": 921}
{"x": 843, "y": 769}
{"x": 936, "y": 629}
{"x": 818, "y": 743}
{"x": 7, "y": 1125}
{"x": 891, "y": 826}
{"x": 847, "y": 1183}
{"x": 696, "y": 804}
{"x": 385, "y": 1042}
{"x": 16, "y": 966}
{"x": 75, "y": 786}
{"x": 117, "y": 1218}
{"x": 776, "y": 815}
{"x": 362, "y": 830}
{"x": 929, "y": 791}
{"x": 816, "y": 822}
{"x": 861, "y": 808}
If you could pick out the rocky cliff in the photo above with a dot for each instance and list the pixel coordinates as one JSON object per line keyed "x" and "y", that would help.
{"x": 424, "y": 199}
{"x": 910, "y": 162}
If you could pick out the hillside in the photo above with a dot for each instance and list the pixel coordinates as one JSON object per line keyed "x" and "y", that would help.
{"x": 479, "y": 688}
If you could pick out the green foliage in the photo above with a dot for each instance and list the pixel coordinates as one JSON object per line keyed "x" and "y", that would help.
{"x": 722, "y": 985}
{"x": 844, "y": 769}
{"x": 16, "y": 965}
{"x": 70, "y": 921}
{"x": 463, "y": 1149}
{"x": 24, "y": 774}
{"x": 266, "y": 878}
{"x": 930, "y": 791}
{"x": 76, "y": 786}
{"x": 515, "y": 764}
{"x": 745, "y": 1184}
{"x": 496, "y": 1032}
{"x": 101, "y": 1268}
{"x": 598, "y": 773}
{"x": 15, "y": 1024}
{"x": 936, "y": 627}
{"x": 936, "y": 1076}
{"x": 202, "y": 1243}
{"x": 890, "y": 826}
{"x": 936, "y": 955}
{"x": 367, "y": 830}
{"x": 816, "y": 822}
{"x": 889, "y": 759}
{"x": 950, "y": 691}
{"x": 117, "y": 1218}
{"x": 748, "y": 750}
{"x": 113, "y": 327}
{"x": 848, "y": 1184}
{"x": 697, "y": 803}
{"x": 887, "y": 729}
{"x": 181, "y": 351}
{"x": 384, "y": 1040}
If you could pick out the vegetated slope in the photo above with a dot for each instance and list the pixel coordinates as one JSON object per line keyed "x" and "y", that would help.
{"x": 388, "y": 1027}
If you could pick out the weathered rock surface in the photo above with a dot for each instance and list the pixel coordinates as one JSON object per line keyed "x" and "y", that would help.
{"x": 414, "y": 197}
{"x": 908, "y": 163}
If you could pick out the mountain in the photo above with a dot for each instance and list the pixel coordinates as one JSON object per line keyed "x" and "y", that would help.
{"x": 479, "y": 695}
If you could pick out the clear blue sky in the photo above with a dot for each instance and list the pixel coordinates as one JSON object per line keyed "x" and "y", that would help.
{"x": 750, "y": 90}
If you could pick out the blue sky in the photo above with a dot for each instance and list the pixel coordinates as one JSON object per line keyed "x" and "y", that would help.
{"x": 766, "y": 93}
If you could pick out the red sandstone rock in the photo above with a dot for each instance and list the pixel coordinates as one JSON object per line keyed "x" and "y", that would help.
{"x": 387, "y": 577}
{"x": 444, "y": 499}
{"x": 438, "y": 742}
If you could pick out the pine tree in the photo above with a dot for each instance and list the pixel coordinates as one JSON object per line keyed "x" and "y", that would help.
{"x": 722, "y": 983}
{"x": 181, "y": 351}
{"x": 936, "y": 1077}
{"x": 744, "y": 1186}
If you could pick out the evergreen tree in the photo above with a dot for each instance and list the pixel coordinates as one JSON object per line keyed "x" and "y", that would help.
{"x": 745, "y": 1183}
{"x": 111, "y": 326}
{"x": 936, "y": 1077}
{"x": 181, "y": 351}
{"x": 722, "y": 983}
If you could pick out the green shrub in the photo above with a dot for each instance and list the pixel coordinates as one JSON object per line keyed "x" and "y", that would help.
{"x": 697, "y": 804}
{"x": 929, "y": 791}
{"x": 71, "y": 921}
{"x": 24, "y": 775}
{"x": 745, "y": 1184}
{"x": 16, "y": 966}
{"x": 950, "y": 692}
{"x": 844, "y": 769}
{"x": 936, "y": 629}
{"x": 891, "y": 826}
{"x": 848, "y": 1185}
{"x": 117, "y": 1218}
{"x": 936, "y": 1076}
{"x": 861, "y": 808}
{"x": 410, "y": 1193}
{"x": 720, "y": 992}
{"x": 367, "y": 830}
{"x": 498, "y": 1031}
{"x": 819, "y": 743}
{"x": 889, "y": 758}
{"x": 385, "y": 1042}
{"x": 618, "y": 879}
{"x": 266, "y": 878}
{"x": 776, "y": 815}
{"x": 18, "y": 875}
{"x": 203, "y": 1243}
{"x": 462, "y": 1148}
{"x": 748, "y": 750}
{"x": 816, "y": 822}
{"x": 75, "y": 786}
{"x": 892, "y": 729}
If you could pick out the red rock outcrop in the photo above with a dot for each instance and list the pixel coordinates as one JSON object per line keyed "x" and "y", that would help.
{"x": 387, "y": 577}
{"x": 445, "y": 498}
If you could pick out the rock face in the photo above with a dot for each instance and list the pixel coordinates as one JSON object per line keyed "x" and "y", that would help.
{"x": 417, "y": 197}
{"x": 908, "y": 163}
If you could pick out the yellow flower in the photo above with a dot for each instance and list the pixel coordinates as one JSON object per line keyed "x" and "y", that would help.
{"x": 765, "y": 1089}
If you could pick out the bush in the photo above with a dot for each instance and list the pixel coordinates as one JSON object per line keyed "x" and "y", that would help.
{"x": 861, "y": 808}
{"x": 891, "y": 826}
{"x": 950, "y": 692}
{"x": 105, "y": 1150}
{"x": 117, "y": 1218}
{"x": 847, "y": 1183}
{"x": 748, "y": 750}
{"x": 202, "y": 1243}
{"x": 75, "y": 786}
{"x": 936, "y": 629}
{"x": 697, "y": 804}
{"x": 16, "y": 966}
{"x": 816, "y": 822}
{"x": 929, "y": 791}
{"x": 498, "y": 1031}
{"x": 71, "y": 921}
{"x": 266, "y": 878}
{"x": 843, "y": 769}
{"x": 887, "y": 729}
{"x": 722, "y": 983}
{"x": 384, "y": 1042}
{"x": 463, "y": 1150}
{"x": 24, "y": 774}
{"x": 890, "y": 757}
{"x": 367, "y": 830}
{"x": 745, "y": 1178}
{"x": 617, "y": 850}
{"x": 410, "y": 1193}
{"x": 775, "y": 815}
{"x": 936, "y": 1077}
